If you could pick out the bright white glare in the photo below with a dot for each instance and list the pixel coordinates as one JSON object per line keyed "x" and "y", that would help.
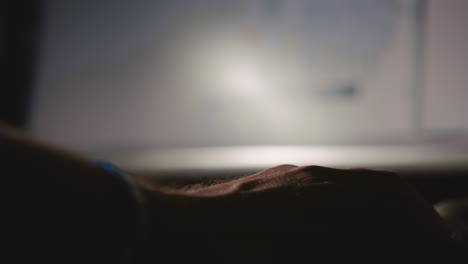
{"x": 245, "y": 79}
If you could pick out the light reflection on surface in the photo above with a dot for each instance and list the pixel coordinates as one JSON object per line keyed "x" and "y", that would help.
{"x": 256, "y": 158}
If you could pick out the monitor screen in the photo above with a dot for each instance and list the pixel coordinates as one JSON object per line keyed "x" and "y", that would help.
{"x": 250, "y": 75}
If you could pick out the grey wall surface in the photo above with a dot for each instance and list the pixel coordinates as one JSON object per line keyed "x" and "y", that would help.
{"x": 142, "y": 74}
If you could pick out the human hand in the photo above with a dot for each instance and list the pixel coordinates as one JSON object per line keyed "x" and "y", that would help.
{"x": 290, "y": 213}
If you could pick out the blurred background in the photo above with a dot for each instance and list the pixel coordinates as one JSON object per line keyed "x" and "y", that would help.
{"x": 228, "y": 85}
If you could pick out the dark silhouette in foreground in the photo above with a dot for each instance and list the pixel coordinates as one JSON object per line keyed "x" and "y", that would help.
{"x": 61, "y": 208}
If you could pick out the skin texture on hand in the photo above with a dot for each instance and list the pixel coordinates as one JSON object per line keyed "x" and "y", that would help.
{"x": 289, "y": 213}
{"x": 60, "y": 207}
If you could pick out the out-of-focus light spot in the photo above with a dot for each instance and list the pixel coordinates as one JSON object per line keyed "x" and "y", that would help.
{"x": 244, "y": 79}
